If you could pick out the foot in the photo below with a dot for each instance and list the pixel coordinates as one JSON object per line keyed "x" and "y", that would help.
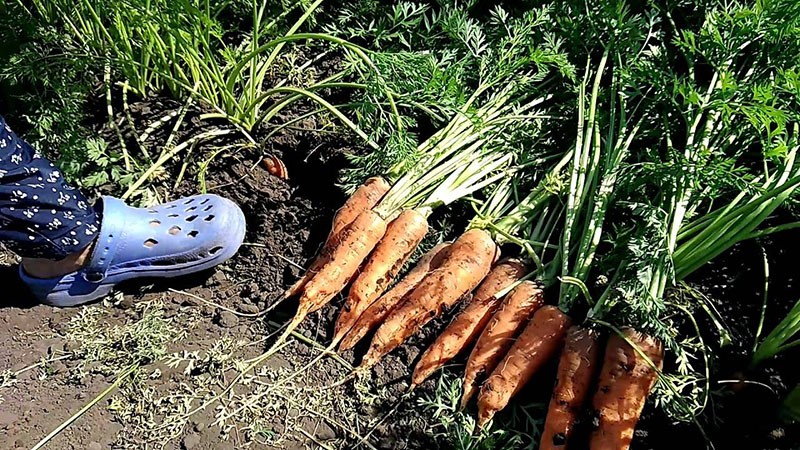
{"x": 173, "y": 239}
{"x": 47, "y": 268}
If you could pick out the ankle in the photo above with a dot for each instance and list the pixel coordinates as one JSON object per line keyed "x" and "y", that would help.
{"x": 47, "y": 268}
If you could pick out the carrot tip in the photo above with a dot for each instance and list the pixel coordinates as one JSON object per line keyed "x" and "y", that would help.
{"x": 469, "y": 390}
{"x": 484, "y": 418}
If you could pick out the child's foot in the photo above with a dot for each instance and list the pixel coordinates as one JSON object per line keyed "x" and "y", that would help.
{"x": 47, "y": 268}
{"x": 173, "y": 239}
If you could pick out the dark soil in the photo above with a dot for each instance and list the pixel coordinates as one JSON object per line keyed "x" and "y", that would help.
{"x": 287, "y": 219}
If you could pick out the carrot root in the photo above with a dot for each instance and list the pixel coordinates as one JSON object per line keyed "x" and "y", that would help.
{"x": 466, "y": 326}
{"x": 364, "y": 198}
{"x": 623, "y": 386}
{"x": 402, "y": 236}
{"x": 576, "y": 369}
{"x": 538, "y": 343}
{"x": 498, "y": 336}
{"x": 470, "y": 259}
{"x": 377, "y": 312}
{"x": 356, "y": 241}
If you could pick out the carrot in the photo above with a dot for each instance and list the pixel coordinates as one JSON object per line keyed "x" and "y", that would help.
{"x": 466, "y": 327}
{"x": 471, "y": 257}
{"x": 624, "y": 383}
{"x": 576, "y": 369}
{"x": 354, "y": 243}
{"x": 539, "y": 341}
{"x": 498, "y": 336}
{"x": 402, "y": 236}
{"x": 364, "y": 198}
{"x": 381, "y": 308}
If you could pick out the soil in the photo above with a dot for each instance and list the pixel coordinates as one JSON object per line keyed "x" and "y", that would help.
{"x": 218, "y": 318}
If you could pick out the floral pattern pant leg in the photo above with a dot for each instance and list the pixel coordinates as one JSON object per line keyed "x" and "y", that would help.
{"x": 41, "y": 216}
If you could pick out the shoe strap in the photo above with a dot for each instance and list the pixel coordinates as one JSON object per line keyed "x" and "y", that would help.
{"x": 112, "y": 229}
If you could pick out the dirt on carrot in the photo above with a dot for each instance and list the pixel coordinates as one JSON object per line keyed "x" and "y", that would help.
{"x": 623, "y": 385}
{"x": 576, "y": 370}
{"x": 541, "y": 339}
{"x": 403, "y": 234}
{"x": 377, "y": 312}
{"x": 498, "y": 336}
{"x": 466, "y": 327}
{"x": 470, "y": 260}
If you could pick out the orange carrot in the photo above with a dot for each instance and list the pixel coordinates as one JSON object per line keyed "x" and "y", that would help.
{"x": 576, "y": 369}
{"x": 623, "y": 386}
{"x": 471, "y": 257}
{"x": 364, "y": 198}
{"x": 498, "y": 336}
{"x": 354, "y": 243}
{"x": 539, "y": 341}
{"x": 381, "y": 308}
{"x": 402, "y": 236}
{"x": 466, "y": 327}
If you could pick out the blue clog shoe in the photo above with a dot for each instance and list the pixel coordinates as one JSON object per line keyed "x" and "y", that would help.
{"x": 170, "y": 240}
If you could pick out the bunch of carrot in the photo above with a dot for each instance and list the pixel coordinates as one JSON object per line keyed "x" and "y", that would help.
{"x": 382, "y": 223}
{"x": 516, "y": 334}
{"x": 506, "y": 328}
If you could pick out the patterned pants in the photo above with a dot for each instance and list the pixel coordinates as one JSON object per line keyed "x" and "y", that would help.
{"x": 41, "y": 216}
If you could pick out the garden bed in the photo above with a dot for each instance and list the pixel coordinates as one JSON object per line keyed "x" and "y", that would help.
{"x": 212, "y": 327}
{"x": 642, "y": 161}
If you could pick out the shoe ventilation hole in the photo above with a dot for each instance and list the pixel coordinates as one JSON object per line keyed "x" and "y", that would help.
{"x": 209, "y": 218}
{"x": 191, "y": 208}
{"x": 172, "y": 216}
{"x": 152, "y": 211}
{"x": 188, "y": 201}
{"x": 155, "y": 223}
{"x": 191, "y": 218}
{"x": 174, "y": 230}
{"x": 174, "y": 260}
{"x": 150, "y": 243}
{"x": 170, "y": 206}
{"x": 205, "y": 201}
{"x": 215, "y": 250}
{"x": 192, "y": 233}
{"x": 208, "y": 208}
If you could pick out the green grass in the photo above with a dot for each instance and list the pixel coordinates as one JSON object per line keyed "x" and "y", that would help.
{"x": 785, "y": 336}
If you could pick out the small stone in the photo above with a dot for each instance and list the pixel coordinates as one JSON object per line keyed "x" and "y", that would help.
{"x": 227, "y": 319}
{"x": 248, "y": 308}
{"x": 777, "y": 434}
{"x": 72, "y": 345}
{"x": 126, "y": 303}
{"x": 58, "y": 367}
{"x": 190, "y": 441}
{"x": 324, "y": 432}
{"x": 94, "y": 446}
{"x": 253, "y": 288}
{"x": 216, "y": 279}
{"x": 199, "y": 426}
